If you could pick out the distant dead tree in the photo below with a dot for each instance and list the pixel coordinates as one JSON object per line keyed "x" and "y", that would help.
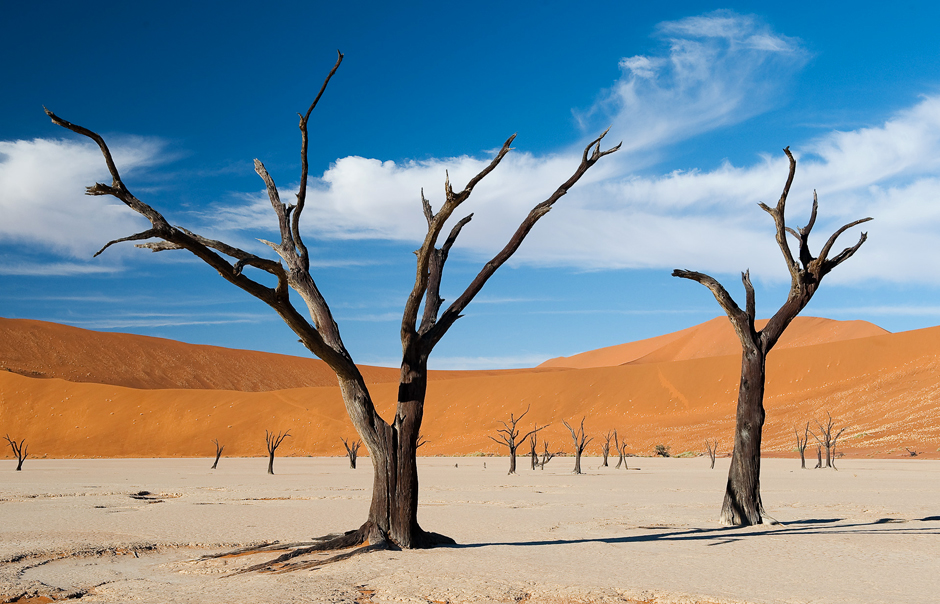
{"x": 605, "y": 448}
{"x": 352, "y": 451}
{"x": 712, "y": 450}
{"x": 622, "y": 451}
{"x": 533, "y": 454}
{"x": 19, "y": 451}
{"x": 818, "y": 456}
{"x": 912, "y": 452}
{"x": 509, "y": 436}
{"x": 218, "y": 453}
{"x": 273, "y": 443}
{"x": 393, "y": 514}
{"x": 546, "y": 456}
{"x": 662, "y": 451}
{"x": 580, "y": 443}
{"x": 742, "y": 503}
{"x": 801, "y": 444}
{"x": 420, "y": 442}
{"x": 828, "y": 440}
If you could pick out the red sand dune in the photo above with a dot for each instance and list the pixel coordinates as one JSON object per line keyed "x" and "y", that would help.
{"x": 885, "y": 388}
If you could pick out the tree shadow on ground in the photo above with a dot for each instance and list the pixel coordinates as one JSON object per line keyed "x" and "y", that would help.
{"x": 729, "y": 534}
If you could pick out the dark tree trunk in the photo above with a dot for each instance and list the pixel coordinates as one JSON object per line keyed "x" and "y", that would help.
{"x": 271, "y": 462}
{"x": 818, "y": 457}
{"x": 742, "y": 504}
{"x": 802, "y": 459}
{"x": 218, "y": 453}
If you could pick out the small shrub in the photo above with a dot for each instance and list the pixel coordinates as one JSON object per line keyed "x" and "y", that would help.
{"x": 662, "y": 451}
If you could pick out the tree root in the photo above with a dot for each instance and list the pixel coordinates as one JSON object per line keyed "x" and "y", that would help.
{"x": 368, "y": 536}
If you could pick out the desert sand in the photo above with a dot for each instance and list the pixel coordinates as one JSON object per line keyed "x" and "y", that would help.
{"x": 866, "y": 534}
{"x": 883, "y": 388}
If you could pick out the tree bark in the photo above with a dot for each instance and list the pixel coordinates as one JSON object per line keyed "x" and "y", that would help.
{"x": 742, "y": 504}
{"x": 218, "y": 454}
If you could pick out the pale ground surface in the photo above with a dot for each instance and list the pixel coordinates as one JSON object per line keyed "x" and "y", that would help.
{"x": 868, "y": 533}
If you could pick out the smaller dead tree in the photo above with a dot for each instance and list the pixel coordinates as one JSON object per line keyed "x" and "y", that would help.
{"x": 533, "y": 454}
{"x": 218, "y": 453}
{"x": 712, "y": 447}
{"x": 913, "y": 452}
{"x": 352, "y": 450}
{"x": 801, "y": 444}
{"x": 605, "y": 448}
{"x": 273, "y": 443}
{"x": 580, "y": 443}
{"x": 818, "y": 457}
{"x": 546, "y": 456}
{"x": 509, "y": 436}
{"x": 827, "y": 440}
{"x": 622, "y": 451}
{"x": 19, "y": 451}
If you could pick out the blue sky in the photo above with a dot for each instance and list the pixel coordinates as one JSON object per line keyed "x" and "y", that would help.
{"x": 703, "y": 95}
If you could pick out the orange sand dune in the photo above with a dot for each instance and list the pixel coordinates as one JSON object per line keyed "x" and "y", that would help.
{"x": 885, "y": 389}
{"x": 714, "y": 338}
{"x": 50, "y": 350}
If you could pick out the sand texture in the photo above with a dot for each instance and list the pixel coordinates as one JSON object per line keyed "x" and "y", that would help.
{"x": 884, "y": 389}
{"x": 867, "y": 534}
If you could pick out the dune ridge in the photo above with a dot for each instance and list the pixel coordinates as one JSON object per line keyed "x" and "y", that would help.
{"x": 884, "y": 388}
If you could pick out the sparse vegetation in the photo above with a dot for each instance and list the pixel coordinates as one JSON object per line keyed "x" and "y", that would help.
{"x": 661, "y": 451}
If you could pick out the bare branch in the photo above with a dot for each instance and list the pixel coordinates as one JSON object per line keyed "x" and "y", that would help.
{"x": 148, "y": 234}
{"x": 453, "y": 312}
{"x": 740, "y": 319}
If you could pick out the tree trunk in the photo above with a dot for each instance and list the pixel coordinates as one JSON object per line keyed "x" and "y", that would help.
{"x": 217, "y": 456}
{"x": 512, "y": 460}
{"x": 742, "y": 505}
{"x": 577, "y": 461}
{"x": 802, "y": 459}
{"x": 271, "y": 462}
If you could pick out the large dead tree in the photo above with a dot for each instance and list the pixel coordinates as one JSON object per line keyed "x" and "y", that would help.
{"x": 580, "y": 443}
{"x": 352, "y": 451}
{"x": 391, "y": 442}
{"x": 801, "y": 444}
{"x": 273, "y": 442}
{"x": 712, "y": 447}
{"x": 509, "y": 436}
{"x": 828, "y": 440}
{"x": 218, "y": 453}
{"x": 19, "y": 451}
{"x": 742, "y": 503}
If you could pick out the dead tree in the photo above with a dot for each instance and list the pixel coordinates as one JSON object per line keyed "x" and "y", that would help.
{"x": 392, "y": 444}
{"x": 742, "y": 503}
{"x": 218, "y": 453}
{"x": 273, "y": 443}
{"x": 352, "y": 451}
{"x": 818, "y": 457}
{"x": 801, "y": 444}
{"x": 546, "y": 456}
{"x": 622, "y": 451}
{"x": 712, "y": 450}
{"x": 826, "y": 439}
{"x": 19, "y": 451}
{"x": 580, "y": 442}
{"x": 912, "y": 452}
{"x": 533, "y": 454}
{"x": 509, "y": 436}
{"x": 605, "y": 448}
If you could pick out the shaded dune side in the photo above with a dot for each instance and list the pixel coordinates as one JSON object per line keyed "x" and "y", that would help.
{"x": 50, "y": 350}
{"x": 715, "y": 338}
{"x": 886, "y": 389}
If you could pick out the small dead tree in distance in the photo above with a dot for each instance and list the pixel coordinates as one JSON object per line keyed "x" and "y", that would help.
{"x": 801, "y": 444}
{"x": 546, "y": 456}
{"x": 742, "y": 503}
{"x": 533, "y": 454}
{"x": 509, "y": 436}
{"x": 392, "y": 444}
{"x": 19, "y": 451}
{"x": 352, "y": 451}
{"x": 605, "y": 448}
{"x": 622, "y": 451}
{"x": 218, "y": 453}
{"x": 712, "y": 450}
{"x": 273, "y": 443}
{"x": 580, "y": 443}
{"x": 827, "y": 440}
{"x": 818, "y": 456}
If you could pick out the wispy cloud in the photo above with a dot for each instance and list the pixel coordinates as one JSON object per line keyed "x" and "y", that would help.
{"x": 501, "y": 362}
{"x": 140, "y": 320}
{"x": 54, "y": 269}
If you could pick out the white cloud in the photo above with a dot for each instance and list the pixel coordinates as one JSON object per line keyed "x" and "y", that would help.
{"x": 42, "y": 201}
